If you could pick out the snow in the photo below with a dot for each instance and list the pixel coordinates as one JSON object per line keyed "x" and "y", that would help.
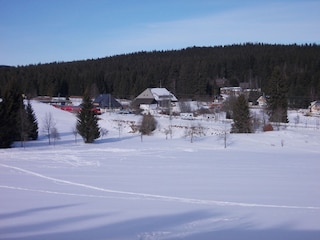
{"x": 159, "y": 93}
{"x": 262, "y": 186}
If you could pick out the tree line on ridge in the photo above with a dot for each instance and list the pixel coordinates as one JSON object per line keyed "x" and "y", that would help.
{"x": 191, "y": 73}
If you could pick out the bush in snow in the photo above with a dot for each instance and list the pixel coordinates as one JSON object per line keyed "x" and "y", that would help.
{"x": 148, "y": 124}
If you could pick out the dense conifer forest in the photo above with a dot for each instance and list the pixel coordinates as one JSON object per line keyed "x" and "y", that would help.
{"x": 195, "y": 72}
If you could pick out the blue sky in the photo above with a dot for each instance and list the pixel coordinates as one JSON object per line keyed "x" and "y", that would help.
{"x": 43, "y": 31}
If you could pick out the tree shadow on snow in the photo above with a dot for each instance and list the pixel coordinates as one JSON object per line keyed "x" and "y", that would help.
{"x": 115, "y": 139}
{"x": 170, "y": 226}
{"x": 33, "y": 210}
{"x": 128, "y": 229}
{"x": 279, "y": 233}
{"x": 65, "y": 138}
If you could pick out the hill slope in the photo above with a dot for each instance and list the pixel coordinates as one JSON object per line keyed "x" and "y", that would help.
{"x": 122, "y": 188}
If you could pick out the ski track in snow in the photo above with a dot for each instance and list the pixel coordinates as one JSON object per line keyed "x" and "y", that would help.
{"x": 137, "y": 195}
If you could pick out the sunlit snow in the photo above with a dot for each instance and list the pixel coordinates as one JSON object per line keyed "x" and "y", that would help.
{"x": 261, "y": 186}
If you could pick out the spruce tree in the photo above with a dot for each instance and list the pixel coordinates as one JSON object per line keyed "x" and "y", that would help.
{"x": 32, "y": 121}
{"x": 87, "y": 124}
{"x": 241, "y": 116}
{"x": 277, "y": 101}
{"x": 4, "y": 141}
{"x": 10, "y": 109}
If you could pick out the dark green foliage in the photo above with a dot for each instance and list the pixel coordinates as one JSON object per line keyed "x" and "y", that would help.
{"x": 17, "y": 121}
{"x": 32, "y": 122}
{"x": 187, "y": 73}
{"x": 10, "y": 114}
{"x": 148, "y": 124}
{"x": 277, "y": 97}
{"x": 27, "y": 124}
{"x": 87, "y": 125}
{"x": 5, "y": 134}
{"x": 241, "y": 116}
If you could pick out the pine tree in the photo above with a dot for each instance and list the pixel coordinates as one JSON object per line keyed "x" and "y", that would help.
{"x": 277, "y": 97}
{"x": 33, "y": 124}
{"x": 10, "y": 109}
{"x": 4, "y": 141}
{"x": 87, "y": 124}
{"x": 241, "y": 116}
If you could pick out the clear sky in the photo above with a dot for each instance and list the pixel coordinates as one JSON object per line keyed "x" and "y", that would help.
{"x": 43, "y": 31}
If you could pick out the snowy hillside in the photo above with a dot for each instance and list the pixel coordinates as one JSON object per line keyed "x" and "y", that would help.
{"x": 261, "y": 186}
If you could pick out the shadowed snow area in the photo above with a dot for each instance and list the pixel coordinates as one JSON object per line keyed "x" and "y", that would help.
{"x": 261, "y": 186}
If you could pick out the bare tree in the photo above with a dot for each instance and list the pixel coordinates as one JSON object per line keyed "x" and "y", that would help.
{"x": 75, "y": 133}
{"x": 296, "y": 120}
{"x": 168, "y": 131}
{"x": 48, "y": 124}
{"x": 256, "y": 122}
{"x": 194, "y": 131}
{"x": 224, "y": 135}
{"x": 119, "y": 127}
{"x": 189, "y": 132}
{"x": 103, "y": 132}
{"x": 55, "y": 135}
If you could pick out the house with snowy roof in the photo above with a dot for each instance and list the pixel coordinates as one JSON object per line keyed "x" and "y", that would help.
{"x": 159, "y": 96}
{"x": 315, "y": 107}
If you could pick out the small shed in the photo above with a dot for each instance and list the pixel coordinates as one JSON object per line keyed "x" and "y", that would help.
{"x": 107, "y": 101}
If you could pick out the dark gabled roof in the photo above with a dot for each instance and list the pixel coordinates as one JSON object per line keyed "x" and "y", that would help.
{"x": 106, "y": 101}
{"x": 254, "y": 96}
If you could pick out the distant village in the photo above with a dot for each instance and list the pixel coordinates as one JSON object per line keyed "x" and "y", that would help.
{"x": 161, "y": 100}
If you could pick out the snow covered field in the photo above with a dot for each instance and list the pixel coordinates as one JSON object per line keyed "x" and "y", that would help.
{"x": 262, "y": 186}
